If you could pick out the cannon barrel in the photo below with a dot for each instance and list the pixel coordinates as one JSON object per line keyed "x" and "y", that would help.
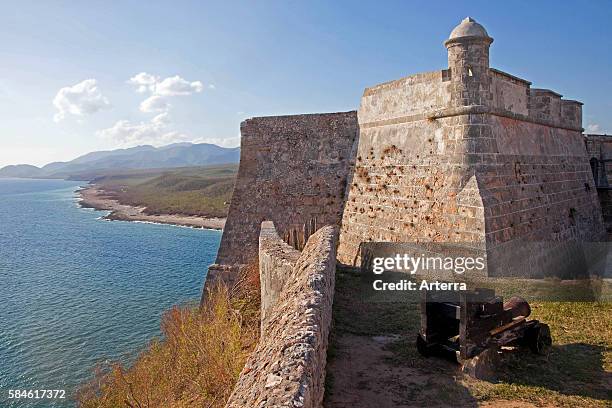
{"x": 518, "y": 306}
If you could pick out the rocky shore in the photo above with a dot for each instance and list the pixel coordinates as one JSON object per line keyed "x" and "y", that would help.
{"x": 94, "y": 197}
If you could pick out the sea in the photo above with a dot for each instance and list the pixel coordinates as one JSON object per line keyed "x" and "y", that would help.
{"x": 76, "y": 290}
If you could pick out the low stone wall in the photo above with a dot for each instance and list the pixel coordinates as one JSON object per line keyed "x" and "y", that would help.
{"x": 276, "y": 262}
{"x": 287, "y": 369}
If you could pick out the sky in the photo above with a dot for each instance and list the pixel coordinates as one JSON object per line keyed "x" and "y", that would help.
{"x": 77, "y": 77}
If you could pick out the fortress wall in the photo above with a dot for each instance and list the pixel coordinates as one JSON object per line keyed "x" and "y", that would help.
{"x": 276, "y": 261}
{"x": 406, "y": 187}
{"x": 287, "y": 369}
{"x": 413, "y": 177}
{"x": 599, "y": 150}
{"x": 409, "y": 96}
{"x": 541, "y": 201}
{"x": 292, "y": 169}
{"x": 605, "y": 200}
{"x": 599, "y": 147}
{"x": 545, "y": 104}
{"x": 571, "y": 113}
{"x": 484, "y": 176}
{"x": 541, "y": 187}
{"x": 509, "y": 92}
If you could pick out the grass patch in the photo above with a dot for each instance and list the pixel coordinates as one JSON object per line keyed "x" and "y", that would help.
{"x": 578, "y": 370}
{"x": 195, "y": 364}
{"x": 355, "y": 313}
{"x": 576, "y": 373}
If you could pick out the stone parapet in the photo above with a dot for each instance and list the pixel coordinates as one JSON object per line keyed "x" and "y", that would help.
{"x": 287, "y": 369}
{"x": 276, "y": 262}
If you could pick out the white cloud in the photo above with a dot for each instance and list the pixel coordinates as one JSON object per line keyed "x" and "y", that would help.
{"x": 161, "y": 119}
{"x": 154, "y": 103}
{"x": 81, "y": 99}
{"x": 155, "y": 132}
{"x": 593, "y": 128}
{"x": 158, "y": 130}
{"x": 176, "y": 86}
{"x": 212, "y": 86}
{"x": 161, "y": 89}
{"x": 144, "y": 82}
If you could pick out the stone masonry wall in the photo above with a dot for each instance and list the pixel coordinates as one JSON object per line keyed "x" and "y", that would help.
{"x": 413, "y": 178}
{"x": 292, "y": 169}
{"x": 510, "y": 93}
{"x": 599, "y": 150}
{"x": 540, "y": 195}
{"x": 276, "y": 262}
{"x": 513, "y": 169}
{"x": 287, "y": 369}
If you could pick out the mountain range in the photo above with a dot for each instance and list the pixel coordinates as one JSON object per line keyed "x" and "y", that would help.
{"x": 94, "y": 164}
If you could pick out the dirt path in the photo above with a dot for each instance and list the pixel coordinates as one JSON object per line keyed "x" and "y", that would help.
{"x": 366, "y": 375}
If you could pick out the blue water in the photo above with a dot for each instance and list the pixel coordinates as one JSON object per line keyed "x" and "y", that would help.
{"x": 76, "y": 290}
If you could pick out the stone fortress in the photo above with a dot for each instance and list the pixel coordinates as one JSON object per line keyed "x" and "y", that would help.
{"x": 467, "y": 154}
{"x": 464, "y": 154}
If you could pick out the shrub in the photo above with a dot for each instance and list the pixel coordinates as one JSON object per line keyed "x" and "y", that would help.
{"x": 198, "y": 360}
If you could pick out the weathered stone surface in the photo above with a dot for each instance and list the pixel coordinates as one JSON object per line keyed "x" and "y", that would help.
{"x": 292, "y": 169}
{"x": 287, "y": 369}
{"x": 599, "y": 149}
{"x": 276, "y": 262}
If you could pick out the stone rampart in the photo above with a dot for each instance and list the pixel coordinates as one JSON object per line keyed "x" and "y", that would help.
{"x": 276, "y": 262}
{"x": 287, "y": 369}
{"x": 293, "y": 169}
{"x": 599, "y": 150}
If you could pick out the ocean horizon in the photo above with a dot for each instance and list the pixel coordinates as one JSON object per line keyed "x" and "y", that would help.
{"x": 77, "y": 290}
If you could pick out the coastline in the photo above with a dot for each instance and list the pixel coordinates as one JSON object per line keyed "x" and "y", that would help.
{"x": 92, "y": 196}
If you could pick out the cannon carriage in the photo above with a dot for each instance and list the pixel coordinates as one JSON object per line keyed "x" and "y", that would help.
{"x": 462, "y": 325}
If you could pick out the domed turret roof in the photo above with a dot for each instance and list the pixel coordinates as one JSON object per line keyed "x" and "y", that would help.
{"x": 468, "y": 28}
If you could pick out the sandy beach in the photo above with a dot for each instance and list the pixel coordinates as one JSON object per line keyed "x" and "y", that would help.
{"x": 94, "y": 197}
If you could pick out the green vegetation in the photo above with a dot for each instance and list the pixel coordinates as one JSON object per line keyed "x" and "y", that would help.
{"x": 197, "y": 362}
{"x": 576, "y": 373}
{"x": 200, "y": 191}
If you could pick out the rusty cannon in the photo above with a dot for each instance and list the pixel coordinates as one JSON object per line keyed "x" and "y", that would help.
{"x": 464, "y": 325}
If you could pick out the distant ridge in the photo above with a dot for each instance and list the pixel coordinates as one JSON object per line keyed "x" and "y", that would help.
{"x": 140, "y": 157}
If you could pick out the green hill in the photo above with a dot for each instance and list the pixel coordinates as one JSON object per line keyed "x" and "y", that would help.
{"x": 201, "y": 191}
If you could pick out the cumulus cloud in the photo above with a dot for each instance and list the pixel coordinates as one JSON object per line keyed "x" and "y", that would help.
{"x": 144, "y": 82}
{"x": 156, "y": 132}
{"x": 160, "y": 89}
{"x": 81, "y": 99}
{"x": 176, "y": 86}
{"x": 154, "y": 103}
{"x": 593, "y": 128}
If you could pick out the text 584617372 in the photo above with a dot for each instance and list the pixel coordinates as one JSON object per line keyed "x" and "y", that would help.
{"x": 36, "y": 394}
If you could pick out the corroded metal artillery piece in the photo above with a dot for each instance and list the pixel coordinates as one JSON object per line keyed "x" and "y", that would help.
{"x": 462, "y": 325}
